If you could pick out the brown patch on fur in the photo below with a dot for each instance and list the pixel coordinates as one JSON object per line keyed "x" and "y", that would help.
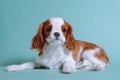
{"x": 65, "y": 30}
{"x": 102, "y": 56}
{"x": 76, "y": 49}
{"x": 38, "y": 39}
{"x": 70, "y": 41}
{"x": 47, "y": 29}
{"x": 85, "y": 45}
{"x": 43, "y": 32}
{"x": 74, "y": 45}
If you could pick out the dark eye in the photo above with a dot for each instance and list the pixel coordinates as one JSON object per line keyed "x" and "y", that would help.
{"x": 48, "y": 29}
{"x": 64, "y": 30}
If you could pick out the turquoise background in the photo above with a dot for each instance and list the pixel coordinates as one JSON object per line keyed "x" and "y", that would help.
{"x": 96, "y": 21}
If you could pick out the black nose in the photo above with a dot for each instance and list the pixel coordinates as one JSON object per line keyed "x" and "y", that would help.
{"x": 56, "y": 34}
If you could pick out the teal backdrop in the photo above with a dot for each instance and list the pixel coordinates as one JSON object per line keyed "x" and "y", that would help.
{"x": 96, "y": 21}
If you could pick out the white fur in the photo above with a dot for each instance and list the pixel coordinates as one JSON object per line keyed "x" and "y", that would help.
{"x": 56, "y": 21}
{"x": 52, "y": 57}
{"x": 57, "y": 57}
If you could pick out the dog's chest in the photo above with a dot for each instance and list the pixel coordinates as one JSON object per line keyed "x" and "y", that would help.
{"x": 53, "y": 57}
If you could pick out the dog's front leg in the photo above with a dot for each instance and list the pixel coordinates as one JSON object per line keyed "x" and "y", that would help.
{"x": 69, "y": 65}
{"x": 27, "y": 65}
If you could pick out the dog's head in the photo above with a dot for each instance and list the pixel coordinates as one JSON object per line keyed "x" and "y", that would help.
{"x": 55, "y": 31}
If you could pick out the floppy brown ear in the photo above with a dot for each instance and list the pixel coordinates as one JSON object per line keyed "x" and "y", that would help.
{"x": 38, "y": 39}
{"x": 70, "y": 41}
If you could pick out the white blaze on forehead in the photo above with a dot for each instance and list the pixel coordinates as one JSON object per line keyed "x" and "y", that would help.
{"x": 56, "y": 21}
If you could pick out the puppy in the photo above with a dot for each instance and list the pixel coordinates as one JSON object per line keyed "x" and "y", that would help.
{"x": 58, "y": 49}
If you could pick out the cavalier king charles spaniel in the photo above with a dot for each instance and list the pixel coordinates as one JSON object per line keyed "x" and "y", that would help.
{"x": 58, "y": 49}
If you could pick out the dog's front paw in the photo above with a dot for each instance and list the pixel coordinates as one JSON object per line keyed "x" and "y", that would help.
{"x": 14, "y": 68}
{"x": 68, "y": 68}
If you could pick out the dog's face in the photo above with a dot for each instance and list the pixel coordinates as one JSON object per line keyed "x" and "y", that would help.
{"x": 55, "y": 32}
